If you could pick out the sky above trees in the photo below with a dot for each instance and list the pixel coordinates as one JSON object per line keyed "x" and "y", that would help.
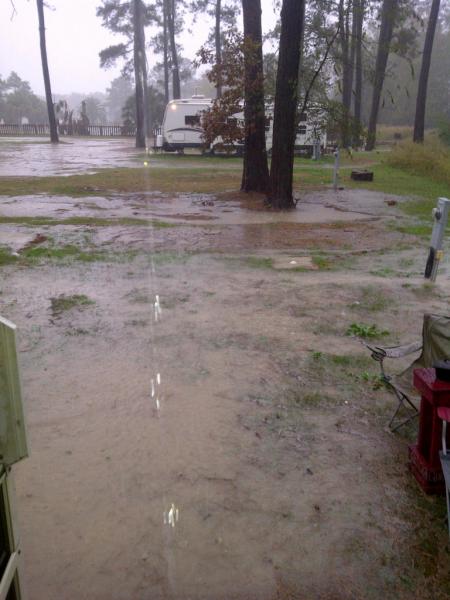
{"x": 74, "y": 39}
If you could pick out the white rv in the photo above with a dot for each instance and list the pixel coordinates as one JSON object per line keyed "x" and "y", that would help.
{"x": 182, "y": 124}
{"x": 182, "y": 128}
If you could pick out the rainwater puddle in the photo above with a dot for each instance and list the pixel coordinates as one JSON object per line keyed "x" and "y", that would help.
{"x": 37, "y": 157}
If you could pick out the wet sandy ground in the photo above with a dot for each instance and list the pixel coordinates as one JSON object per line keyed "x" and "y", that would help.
{"x": 287, "y": 484}
{"x": 317, "y": 207}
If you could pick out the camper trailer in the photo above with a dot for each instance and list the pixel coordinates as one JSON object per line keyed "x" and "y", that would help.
{"x": 182, "y": 128}
{"x": 311, "y": 131}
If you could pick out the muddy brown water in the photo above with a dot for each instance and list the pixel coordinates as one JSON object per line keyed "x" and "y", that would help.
{"x": 37, "y": 157}
{"x": 275, "y": 498}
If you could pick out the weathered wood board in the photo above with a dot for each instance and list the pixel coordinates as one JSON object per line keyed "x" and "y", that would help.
{"x": 13, "y": 440}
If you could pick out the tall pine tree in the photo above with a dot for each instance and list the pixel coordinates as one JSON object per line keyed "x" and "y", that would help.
{"x": 255, "y": 176}
{"x": 419, "y": 122}
{"x": 48, "y": 89}
{"x": 286, "y": 99}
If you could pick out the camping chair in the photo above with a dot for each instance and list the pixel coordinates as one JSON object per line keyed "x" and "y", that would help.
{"x": 435, "y": 345}
{"x": 444, "y": 414}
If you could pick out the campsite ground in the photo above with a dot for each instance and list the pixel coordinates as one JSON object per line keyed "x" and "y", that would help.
{"x": 270, "y": 438}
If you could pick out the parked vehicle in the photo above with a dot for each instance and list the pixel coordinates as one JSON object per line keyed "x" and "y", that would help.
{"x": 182, "y": 128}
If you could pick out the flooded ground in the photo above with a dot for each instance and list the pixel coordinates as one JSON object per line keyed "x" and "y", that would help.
{"x": 201, "y": 427}
{"x": 38, "y": 157}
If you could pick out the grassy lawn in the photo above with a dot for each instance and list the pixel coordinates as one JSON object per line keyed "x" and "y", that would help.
{"x": 398, "y": 173}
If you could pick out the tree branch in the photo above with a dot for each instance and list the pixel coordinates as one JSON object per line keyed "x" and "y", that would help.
{"x": 14, "y": 11}
{"x": 317, "y": 73}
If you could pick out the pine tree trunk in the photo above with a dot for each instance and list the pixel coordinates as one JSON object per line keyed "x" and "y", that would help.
{"x": 143, "y": 55}
{"x": 255, "y": 175}
{"x": 359, "y": 16}
{"x": 138, "y": 74}
{"x": 347, "y": 71}
{"x": 352, "y": 53}
{"x": 166, "y": 54}
{"x": 48, "y": 90}
{"x": 171, "y": 20}
{"x": 419, "y": 122}
{"x": 388, "y": 18}
{"x": 218, "y": 41}
{"x": 286, "y": 98}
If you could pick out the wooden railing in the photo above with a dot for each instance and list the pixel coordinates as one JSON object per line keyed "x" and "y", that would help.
{"x": 7, "y": 129}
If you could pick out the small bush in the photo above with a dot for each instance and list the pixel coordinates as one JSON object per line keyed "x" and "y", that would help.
{"x": 430, "y": 159}
{"x": 444, "y": 132}
{"x": 366, "y": 331}
{"x": 62, "y": 303}
{"x": 6, "y": 258}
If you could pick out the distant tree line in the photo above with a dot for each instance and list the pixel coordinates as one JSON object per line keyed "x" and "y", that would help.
{"x": 18, "y": 101}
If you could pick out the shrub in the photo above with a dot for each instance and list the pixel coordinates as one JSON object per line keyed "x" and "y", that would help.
{"x": 366, "y": 331}
{"x": 430, "y": 159}
{"x": 444, "y": 131}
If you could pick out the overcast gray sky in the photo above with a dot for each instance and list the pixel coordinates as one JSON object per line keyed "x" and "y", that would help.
{"x": 74, "y": 38}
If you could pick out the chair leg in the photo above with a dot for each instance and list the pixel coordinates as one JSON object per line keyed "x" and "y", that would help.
{"x": 402, "y": 399}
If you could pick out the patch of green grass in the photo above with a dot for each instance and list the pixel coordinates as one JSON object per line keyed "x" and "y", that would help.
{"x": 384, "y": 272}
{"x": 163, "y": 224}
{"x": 372, "y": 299}
{"x": 321, "y": 261}
{"x": 254, "y": 262}
{"x": 376, "y": 381}
{"x": 164, "y": 258}
{"x": 358, "y": 362}
{"x": 363, "y": 330}
{"x": 308, "y": 399}
{"x": 430, "y": 159}
{"x": 63, "y": 303}
{"x": 419, "y": 229}
{"x": 394, "y": 180}
{"x": 195, "y": 179}
{"x": 36, "y": 254}
{"x": 88, "y": 221}
{"x": 6, "y": 258}
{"x": 259, "y": 262}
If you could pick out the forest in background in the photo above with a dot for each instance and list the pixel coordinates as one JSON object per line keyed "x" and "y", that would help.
{"x": 116, "y": 104}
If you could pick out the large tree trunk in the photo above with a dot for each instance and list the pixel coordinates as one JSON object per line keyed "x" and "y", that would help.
{"x": 348, "y": 57}
{"x": 388, "y": 18}
{"x": 255, "y": 176}
{"x": 171, "y": 22}
{"x": 139, "y": 74}
{"x": 48, "y": 90}
{"x": 358, "y": 14}
{"x": 166, "y": 54}
{"x": 419, "y": 123}
{"x": 143, "y": 55}
{"x": 218, "y": 41}
{"x": 286, "y": 98}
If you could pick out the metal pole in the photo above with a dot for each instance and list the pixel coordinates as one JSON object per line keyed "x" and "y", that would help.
{"x": 440, "y": 215}
{"x": 336, "y": 170}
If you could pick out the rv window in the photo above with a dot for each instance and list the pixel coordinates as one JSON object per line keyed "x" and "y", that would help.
{"x": 192, "y": 120}
{"x": 303, "y": 117}
{"x": 301, "y": 130}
